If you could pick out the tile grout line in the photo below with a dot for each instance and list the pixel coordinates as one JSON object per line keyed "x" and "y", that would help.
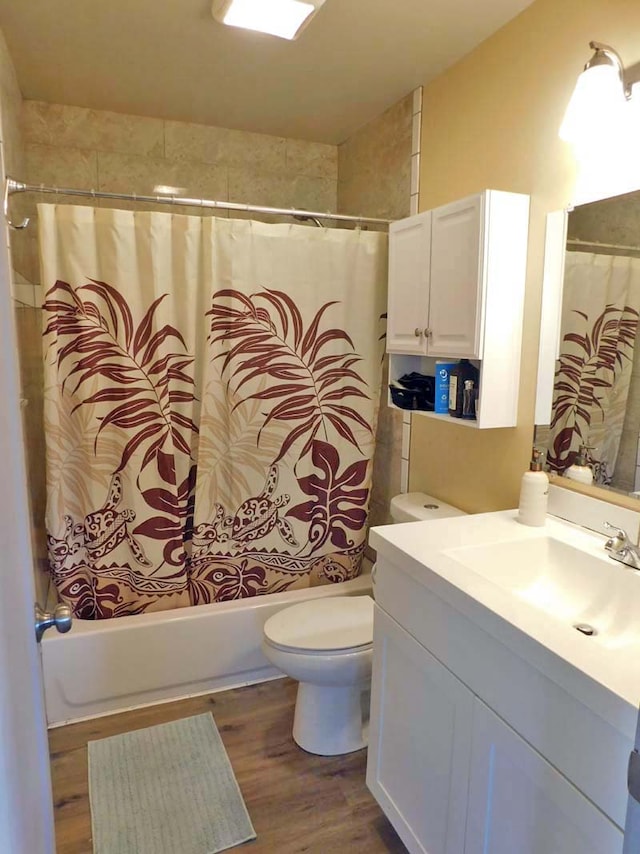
{"x": 414, "y": 196}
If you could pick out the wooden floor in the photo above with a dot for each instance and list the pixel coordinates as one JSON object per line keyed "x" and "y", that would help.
{"x": 297, "y": 802}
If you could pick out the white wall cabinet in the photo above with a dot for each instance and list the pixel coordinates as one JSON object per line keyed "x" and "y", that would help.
{"x": 453, "y": 777}
{"x": 457, "y": 277}
{"x": 456, "y": 290}
{"x": 408, "y": 300}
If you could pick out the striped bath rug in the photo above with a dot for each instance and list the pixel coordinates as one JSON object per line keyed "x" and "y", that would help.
{"x": 165, "y": 789}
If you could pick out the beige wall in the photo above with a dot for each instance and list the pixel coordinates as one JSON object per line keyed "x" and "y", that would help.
{"x": 491, "y": 121}
{"x": 374, "y": 172}
{"x": 26, "y": 318}
{"x": 11, "y": 106}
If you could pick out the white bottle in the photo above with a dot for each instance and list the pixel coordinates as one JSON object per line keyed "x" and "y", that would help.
{"x": 581, "y": 470}
{"x": 534, "y": 493}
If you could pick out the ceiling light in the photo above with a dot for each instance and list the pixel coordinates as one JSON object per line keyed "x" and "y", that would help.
{"x": 283, "y": 18}
{"x": 598, "y": 105}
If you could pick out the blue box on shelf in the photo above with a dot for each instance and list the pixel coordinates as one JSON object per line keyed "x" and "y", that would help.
{"x": 441, "y": 403}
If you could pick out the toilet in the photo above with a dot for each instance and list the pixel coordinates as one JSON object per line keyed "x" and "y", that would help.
{"x": 327, "y": 645}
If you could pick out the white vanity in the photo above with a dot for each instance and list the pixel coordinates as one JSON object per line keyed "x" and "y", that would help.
{"x": 496, "y": 726}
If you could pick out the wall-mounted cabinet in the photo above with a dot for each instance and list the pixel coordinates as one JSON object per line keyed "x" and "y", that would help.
{"x": 456, "y": 290}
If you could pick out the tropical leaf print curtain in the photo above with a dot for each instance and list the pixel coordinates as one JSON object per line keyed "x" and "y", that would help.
{"x": 210, "y": 405}
{"x": 601, "y": 302}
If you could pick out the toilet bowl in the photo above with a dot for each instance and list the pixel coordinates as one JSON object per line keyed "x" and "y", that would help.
{"x": 327, "y": 645}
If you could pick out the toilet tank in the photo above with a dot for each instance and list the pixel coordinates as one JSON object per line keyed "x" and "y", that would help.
{"x": 418, "y": 506}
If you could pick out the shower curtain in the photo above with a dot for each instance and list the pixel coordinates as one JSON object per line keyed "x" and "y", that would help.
{"x": 211, "y": 393}
{"x": 601, "y": 301}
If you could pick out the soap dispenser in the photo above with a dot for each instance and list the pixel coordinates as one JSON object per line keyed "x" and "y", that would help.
{"x": 534, "y": 493}
{"x": 581, "y": 470}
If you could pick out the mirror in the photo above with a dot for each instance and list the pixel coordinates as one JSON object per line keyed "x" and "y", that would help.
{"x": 592, "y": 284}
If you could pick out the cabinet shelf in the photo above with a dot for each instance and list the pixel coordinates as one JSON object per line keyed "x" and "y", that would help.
{"x": 400, "y": 364}
{"x": 438, "y": 416}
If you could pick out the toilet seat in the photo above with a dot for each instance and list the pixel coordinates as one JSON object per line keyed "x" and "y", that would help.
{"x": 321, "y": 653}
{"x": 339, "y": 624}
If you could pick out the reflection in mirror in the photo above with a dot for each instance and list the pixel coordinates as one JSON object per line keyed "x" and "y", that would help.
{"x": 596, "y": 397}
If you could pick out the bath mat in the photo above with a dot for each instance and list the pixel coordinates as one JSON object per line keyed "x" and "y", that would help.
{"x": 165, "y": 789}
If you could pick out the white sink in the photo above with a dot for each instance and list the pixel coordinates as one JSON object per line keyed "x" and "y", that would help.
{"x": 566, "y": 583}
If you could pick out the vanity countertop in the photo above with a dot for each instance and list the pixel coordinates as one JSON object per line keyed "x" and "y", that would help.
{"x": 527, "y": 587}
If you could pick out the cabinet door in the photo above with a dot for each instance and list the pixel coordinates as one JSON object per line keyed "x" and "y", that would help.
{"x": 457, "y": 239}
{"x": 408, "y": 303}
{"x": 519, "y": 803}
{"x": 419, "y": 742}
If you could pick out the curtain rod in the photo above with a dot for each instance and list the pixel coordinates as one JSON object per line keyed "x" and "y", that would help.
{"x": 575, "y": 241}
{"x": 12, "y": 186}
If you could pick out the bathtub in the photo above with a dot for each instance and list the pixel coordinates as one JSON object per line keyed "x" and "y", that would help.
{"x": 108, "y": 666}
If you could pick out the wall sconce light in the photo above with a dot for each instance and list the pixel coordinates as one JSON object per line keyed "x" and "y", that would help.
{"x": 283, "y": 18}
{"x": 598, "y": 105}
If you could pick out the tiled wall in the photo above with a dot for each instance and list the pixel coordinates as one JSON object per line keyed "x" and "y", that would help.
{"x": 376, "y": 176}
{"x": 75, "y": 147}
{"x": 374, "y": 165}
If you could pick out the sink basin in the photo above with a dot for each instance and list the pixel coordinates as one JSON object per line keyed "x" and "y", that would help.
{"x": 565, "y": 582}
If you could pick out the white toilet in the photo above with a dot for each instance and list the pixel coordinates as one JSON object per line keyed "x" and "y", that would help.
{"x": 327, "y": 644}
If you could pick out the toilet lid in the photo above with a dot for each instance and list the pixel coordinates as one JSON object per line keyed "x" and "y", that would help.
{"x": 338, "y": 622}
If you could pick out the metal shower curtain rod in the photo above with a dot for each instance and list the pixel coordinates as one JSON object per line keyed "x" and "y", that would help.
{"x": 575, "y": 241}
{"x": 12, "y": 186}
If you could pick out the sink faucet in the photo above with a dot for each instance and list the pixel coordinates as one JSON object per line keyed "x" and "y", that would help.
{"x": 621, "y": 548}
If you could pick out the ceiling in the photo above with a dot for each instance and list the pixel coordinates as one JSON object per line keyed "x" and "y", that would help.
{"x": 170, "y": 59}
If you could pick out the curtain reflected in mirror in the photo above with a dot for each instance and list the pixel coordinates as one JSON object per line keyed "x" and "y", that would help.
{"x": 596, "y": 400}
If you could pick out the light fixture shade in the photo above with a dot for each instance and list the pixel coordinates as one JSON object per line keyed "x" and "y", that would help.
{"x": 597, "y": 106}
{"x": 283, "y": 18}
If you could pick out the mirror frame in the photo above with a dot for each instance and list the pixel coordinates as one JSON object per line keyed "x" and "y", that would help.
{"x": 549, "y": 346}
{"x": 555, "y": 244}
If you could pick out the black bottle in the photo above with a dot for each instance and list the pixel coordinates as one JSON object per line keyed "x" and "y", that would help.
{"x": 464, "y": 370}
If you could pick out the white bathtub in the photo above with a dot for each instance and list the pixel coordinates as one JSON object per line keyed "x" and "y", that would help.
{"x": 109, "y": 666}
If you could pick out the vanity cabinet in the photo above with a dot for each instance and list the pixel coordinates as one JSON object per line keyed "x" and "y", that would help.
{"x": 456, "y": 290}
{"x": 419, "y": 742}
{"x": 455, "y": 778}
{"x": 519, "y": 802}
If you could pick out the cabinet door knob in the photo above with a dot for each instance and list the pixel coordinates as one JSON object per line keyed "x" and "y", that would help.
{"x": 427, "y": 333}
{"x": 417, "y": 332}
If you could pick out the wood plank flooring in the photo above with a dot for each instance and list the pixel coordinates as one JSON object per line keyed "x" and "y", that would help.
{"x": 297, "y": 802}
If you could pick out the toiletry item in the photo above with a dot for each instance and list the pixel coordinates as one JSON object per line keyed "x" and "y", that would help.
{"x": 464, "y": 370}
{"x": 581, "y": 470}
{"x": 413, "y": 391}
{"x": 534, "y": 493}
{"x": 469, "y": 396}
{"x": 443, "y": 369}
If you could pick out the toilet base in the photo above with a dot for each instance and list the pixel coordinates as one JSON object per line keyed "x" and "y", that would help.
{"x": 329, "y": 720}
